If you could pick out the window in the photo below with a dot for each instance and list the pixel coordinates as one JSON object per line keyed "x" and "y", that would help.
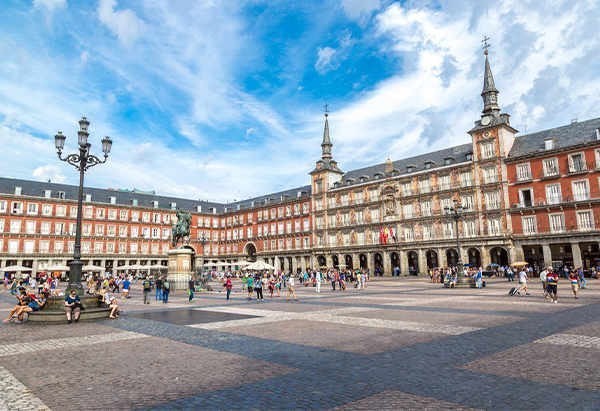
{"x": 1, "y": 227}
{"x": 487, "y": 150}
{"x": 30, "y": 227}
{"x": 135, "y": 232}
{"x": 110, "y": 248}
{"x": 427, "y": 231}
{"x": 470, "y": 228}
{"x": 444, "y": 182}
{"x": 581, "y": 190}
{"x": 45, "y": 227}
{"x": 529, "y": 225}
{"x": 87, "y": 212}
{"x": 32, "y": 208}
{"x": 410, "y": 169}
{"x": 448, "y": 229}
{"x": 123, "y": 215}
{"x": 99, "y": 229}
{"x": 249, "y": 232}
{"x": 466, "y": 180}
{"x": 15, "y": 226}
{"x": 44, "y": 246}
{"x": 133, "y": 248}
{"x": 156, "y": 218}
{"x": 135, "y": 216}
{"x": 305, "y": 225}
{"x": 426, "y": 208}
{"x": 13, "y": 246}
{"x": 424, "y": 186}
{"x": 100, "y": 213}
{"x": 288, "y": 211}
{"x": 61, "y": 211}
{"x": 29, "y": 247}
{"x": 585, "y": 220}
{"x": 59, "y": 228}
{"x": 597, "y": 156}
{"x": 86, "y": 229}
{"x": 553, "y": 195}
{"x": 549, "y": 144}
{"x": 490, "y": 175}
{"x": 577, "y": 163}
{"x": 297, "y": 226}
{"x": 469, "y": 157}
{"x": 526, "y": 197}
{"x": 17, "y": 207}
{"x": 98, "y": 247}
{"x": 112, "y": 230}
{"x": 145, "y": 217}
{"x": 85, "y": 247}
{"x": 466, "y": 201}
{"x": 407, "y": 188}
{"x": 155, "y": 232}
{"x": 3, "y": 205}
{"x": 557, "y": 223}
{"x": 523, "y": 172}
{"x": 58, "y": 247}
{"x": 494, "y": 226}
{"x": 409, "y": 234}
{"x": 122, "y": 231}
{"x": 550, "y": 167}
{"x": 18, "y": 191}
{"x": 492, "y": 200}
{"x": 427, "y": 166}
{"x": 73, "y": 212}
{"x": 448, "y": 161}
{"x": 407, "y": 210}
{"x": 112, "y": 214}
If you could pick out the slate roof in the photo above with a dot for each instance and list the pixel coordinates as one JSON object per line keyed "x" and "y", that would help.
{"x": 459, "y": 153}
{"x": 125, "y": 197}
{"x": 570, "y": 135}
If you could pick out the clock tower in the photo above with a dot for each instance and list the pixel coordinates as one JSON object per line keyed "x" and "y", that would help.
{"x": 492, "y": 138}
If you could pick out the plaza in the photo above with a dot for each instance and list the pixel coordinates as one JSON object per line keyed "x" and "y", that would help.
{"x": 403, "y": 343}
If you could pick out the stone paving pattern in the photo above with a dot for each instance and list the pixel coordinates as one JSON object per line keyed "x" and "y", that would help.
{"x": 401, "y": 344}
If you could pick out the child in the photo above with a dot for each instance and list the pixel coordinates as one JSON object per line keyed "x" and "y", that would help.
{"x": 574, "y": 279}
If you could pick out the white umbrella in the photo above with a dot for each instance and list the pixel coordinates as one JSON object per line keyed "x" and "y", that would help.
{"x": 124, "y": 267}
{"x": 219, "y": 264}
{"x": 58, "y": 267}
{"x": 260, "y": 265}
{"x": 139, "y": 267}
{"x": 342, "y": 265}
{"x": 157, "y": 267}
{"x": 16, "y": 268}
{"x": 91, "y": 267}
{"x": 241, "y": 263}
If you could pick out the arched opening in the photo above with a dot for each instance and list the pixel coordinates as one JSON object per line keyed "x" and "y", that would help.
{"x": 413, "y": 263}
{"x": 395, "y": 260}
{"x": 348, "y": 262}
{"x": 335, "y": 260}
{"x": 432, "y": 259}
{"x": 499, "y": 256}
{"x": 451, "y": 258}
{"x": 362, "y": 261}
{"x": 474, "y": 257}
{"x": 250, "y": 251}
{"x": 378, "y": 261}
{"x": 193, "y": 262}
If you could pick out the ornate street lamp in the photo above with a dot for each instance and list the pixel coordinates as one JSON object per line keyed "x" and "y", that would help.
{"x": 456, "y": 213}
{"x": 203, "y": 242}
{"x": 82, "y": 162}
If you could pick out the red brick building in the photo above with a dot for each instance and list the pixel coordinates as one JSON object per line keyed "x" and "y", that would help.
{"x": 554, "y": 194}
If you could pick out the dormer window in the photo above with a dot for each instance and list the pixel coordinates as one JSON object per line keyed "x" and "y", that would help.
{"x": 378, "y": 176}
{"x": 113, "y": 200}
{"x": 47, "y": 193}
{"x": 88, "y": 198}
{"x": 427, "y": 165}
{"x": 134, "y": 202}
{"x": 410, "y": 169}
{"x": 61, "y": 195}
{"x": 549, "y": 144}
{"x": 469, "y": 156}
{"x": 173, "y": 206}
{"x": 448, "y": 161}
{"x": 155, "y": 203}
{"x": 18, "y": 191}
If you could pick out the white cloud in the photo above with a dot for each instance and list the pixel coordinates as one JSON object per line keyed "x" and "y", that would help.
{"x": 329, "y": 59}
{"x": 84, "y": 56}
{"x": 250, "y": 131}
{"x": 360, "y": 10}
{"x": 49, "y": 173}
{"x": 49, "y": 5}
{"x": 123, "y": 23}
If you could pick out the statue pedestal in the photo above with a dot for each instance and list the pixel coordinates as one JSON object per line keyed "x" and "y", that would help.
{"x": 180, "y": 268}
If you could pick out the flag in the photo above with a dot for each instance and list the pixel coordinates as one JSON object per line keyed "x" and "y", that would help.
{"x": 393, "y": 234}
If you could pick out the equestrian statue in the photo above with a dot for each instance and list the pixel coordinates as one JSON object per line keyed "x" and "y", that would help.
{"x": 181, "y": 229}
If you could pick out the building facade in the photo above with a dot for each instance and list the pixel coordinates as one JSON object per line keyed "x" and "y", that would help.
{"x": 533, "y": 197}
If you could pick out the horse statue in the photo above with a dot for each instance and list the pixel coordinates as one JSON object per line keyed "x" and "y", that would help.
{"x": 181, "y": 229}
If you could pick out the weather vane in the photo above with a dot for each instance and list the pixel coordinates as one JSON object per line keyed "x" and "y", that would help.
{"x": 486, "y": 45}
{"x": 326, "y": 108}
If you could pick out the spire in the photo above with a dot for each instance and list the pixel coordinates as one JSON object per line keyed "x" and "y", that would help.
{"x": 490, "y": 92}
{"x": 326, "y": 144}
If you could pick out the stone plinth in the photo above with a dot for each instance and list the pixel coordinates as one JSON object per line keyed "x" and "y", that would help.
{"x": 54, "y": 310}
{"x": 180, "y": 268}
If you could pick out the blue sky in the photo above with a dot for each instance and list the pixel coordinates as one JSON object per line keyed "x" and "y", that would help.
{"x": 223, "y": 100}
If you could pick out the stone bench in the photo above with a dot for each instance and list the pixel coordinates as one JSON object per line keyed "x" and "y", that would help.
{"x": 60, "y": 316}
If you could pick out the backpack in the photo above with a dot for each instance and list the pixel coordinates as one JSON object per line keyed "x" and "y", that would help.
{"x": 147, "y": 285}
{"x": 166, "y": 285}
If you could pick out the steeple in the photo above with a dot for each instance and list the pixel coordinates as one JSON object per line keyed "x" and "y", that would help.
{"x": 326, "y": 144}
{"x": 490, "y": 92}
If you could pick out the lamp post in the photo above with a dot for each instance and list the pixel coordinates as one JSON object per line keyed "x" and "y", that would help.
{"x": 82, "y": 161}
{"x": 203, "y": 242}
{"x": 456, "y": 213}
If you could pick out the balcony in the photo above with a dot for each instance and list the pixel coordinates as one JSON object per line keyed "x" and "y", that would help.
{"x": 558, "y": 200}
{"x": 557, "y": 229}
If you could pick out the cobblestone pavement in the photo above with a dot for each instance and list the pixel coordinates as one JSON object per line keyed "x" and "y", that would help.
{"x": 403, "y": 343}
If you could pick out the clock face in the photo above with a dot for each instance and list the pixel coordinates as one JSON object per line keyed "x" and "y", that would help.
{"x": 485, "y": 120}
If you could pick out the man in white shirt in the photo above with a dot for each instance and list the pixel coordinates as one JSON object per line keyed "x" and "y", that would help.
{"x": 318, "y": 279}
{"x": 291, "y": 283}
{"x": 523, "y": 282}
{"x": 543, "y": 276}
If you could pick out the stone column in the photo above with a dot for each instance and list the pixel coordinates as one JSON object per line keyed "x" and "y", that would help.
{"x": 577, "y": 260}
{"x": 403, "y": 262}
{"x": 355, "y": 260}
{"x": 276, "y": 264}
{"x": 423, "y": 269}
{"x": 387, "y": 264}
{"x": 370, "y": 262}
{"x": 34, "y": 267}
{"x": 547, "y": 255}
{"x": 441, "y": 257}
{"x": 294, "y": 265}
{"x": 303, "y": 263}
{"x": 485, "y": 257}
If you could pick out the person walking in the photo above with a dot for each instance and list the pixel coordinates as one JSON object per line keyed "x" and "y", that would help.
{"x": 250, "y": 285}
{"x": 319, "y": 280}
{"x": 258, "y": 287}
{"x": 146, "y": 288}
{"x": 574, "y": 280}
{"x": 552, "y": 285}
{"x": 166, "y": 290}
{"x": 291, "y": 283}
{"x": 191, "y": 285}
{"x": 228, "y": 285}
{"x": 159, "y": 289}
{"x": 543, "y": 275}
{"x": 125, "y": 292}
{"x": 523, "y": 282}
{"x": 582, "y": 282}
